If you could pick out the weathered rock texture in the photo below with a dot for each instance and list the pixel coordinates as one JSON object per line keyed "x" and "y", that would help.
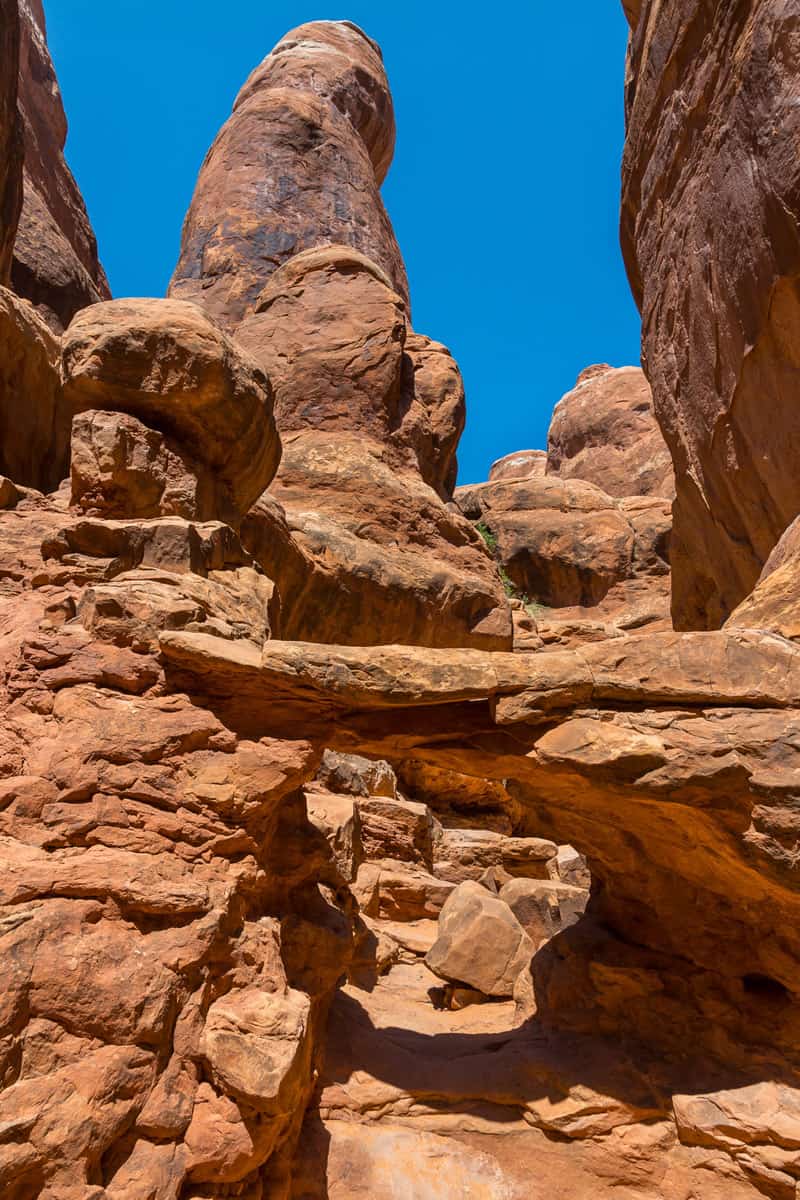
{"x": 581, "y": 534}
{"x": 605, "y": 431}
{"x": 331, "y": 333}
{"x": 240, "y": 813}
{"x": 164, "y": 363}
{"x": 298, "y": 165}
{"x": 55, "y": 265}
{"x": 11, "y": 145}
{"x": 710, "y": 212}
{"x": 34, "y": 421}
{"x": 669, "y": 759}
{"x": 370, "y": 416}
{"x": 291, "y": 248}
{"x": 520, "y": 465}
{"x": 774, "y": 602}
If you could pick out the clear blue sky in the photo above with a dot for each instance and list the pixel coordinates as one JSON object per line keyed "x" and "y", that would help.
{"x": 504, "y": 189}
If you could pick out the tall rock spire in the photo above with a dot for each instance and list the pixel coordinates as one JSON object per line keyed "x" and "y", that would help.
{"x": 298, "y": 165}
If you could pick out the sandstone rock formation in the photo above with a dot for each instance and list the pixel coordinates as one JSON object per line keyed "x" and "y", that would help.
{"x": 774, "y": 602}
{"x": 521, "y": 465}
{"x": 581, "y": 535}
{"x": 710, "y": 208}
{"x": 331, "y": 333}
{"x": 55, "y": 265}
{"x": 355, "y": 530}
{"x": 267, "y": 755}
{"x": 370, "y": 416}
{"x": 566, "y": 542}
{"x": 318, "y": 113}
{"x": 605, "y": 431}
{"x": 480, "y": 943}
{"x": 11, "y": 146}
{"x": 163, "y": 362}
{"x": 34, "y": 421}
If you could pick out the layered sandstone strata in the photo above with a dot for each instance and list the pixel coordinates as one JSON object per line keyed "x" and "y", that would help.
{"x": 237, "y": 831}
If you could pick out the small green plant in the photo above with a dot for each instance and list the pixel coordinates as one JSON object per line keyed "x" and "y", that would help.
{"x": 532, "y": 607}
{"x": 509, "y": 587}
{"x": 487, "y": 535}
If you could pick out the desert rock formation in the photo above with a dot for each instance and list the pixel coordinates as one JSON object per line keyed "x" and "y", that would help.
{"x": 55, "y": 265}
{"x": 582, "y": 533}
{"x": 11, "y": 146}
{"x": 298, "y": 165}
{"x": 314, "y": 883}
{"x": 710, "y": 209}
{"x": 605, "y": 432}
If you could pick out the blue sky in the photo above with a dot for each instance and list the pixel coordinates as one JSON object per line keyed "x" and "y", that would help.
{"x": 504, "y": 190}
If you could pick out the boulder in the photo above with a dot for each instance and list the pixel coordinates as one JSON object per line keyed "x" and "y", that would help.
{"x": 34, "y": 420}
{"x": 121, "y": 468}
{"x": 522, "y": 464}
{"x": 565, "y": 543}
{"x": 468, "y": 853}
{"x": 254, "y": 1043}
{"x": 402, "y": 830}
{"x": 11, "y": 143}
{"x": 298, "y": 165}
{"x": 336, "y": 817}
{"x": 55, "y": 265}
{"x": 710, "y": 210}
{"x": 481, "y": 943}
{"x": 544, "y": 907}
{"x": 331, "y": 333}
{"x": 164, "y": 363}
{"x": 353, "y": 775}
{"x": 605, "y": 431}
{"x": 571, "y": 867}
{"x": 399, "y": 891}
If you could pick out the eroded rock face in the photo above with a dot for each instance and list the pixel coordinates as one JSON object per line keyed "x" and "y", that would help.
{"x": 774, "y": 602}
{"x": 55, "y": 265}
{"x": 362, "y": 578}
{"x": 710, "y": 206}
{"x": 565, "y": 542}
{"x": 361, "y": 543}
{"x": 34, "y": 420}
{"x": 212, "y": 837}
{"x": 582, "y": 534}
{"x": 320, "y": 114}
{"x": 331, "y": 333}
{"x": 605, "y": 431}
{"x": 11, "y": 144}
{"x": 164, "y": 363}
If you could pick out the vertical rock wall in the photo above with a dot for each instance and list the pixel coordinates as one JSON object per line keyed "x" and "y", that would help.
{"x": 56, "y": 265}
{"x": 10, "y": 135}
{"x": 710, "y": 211}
